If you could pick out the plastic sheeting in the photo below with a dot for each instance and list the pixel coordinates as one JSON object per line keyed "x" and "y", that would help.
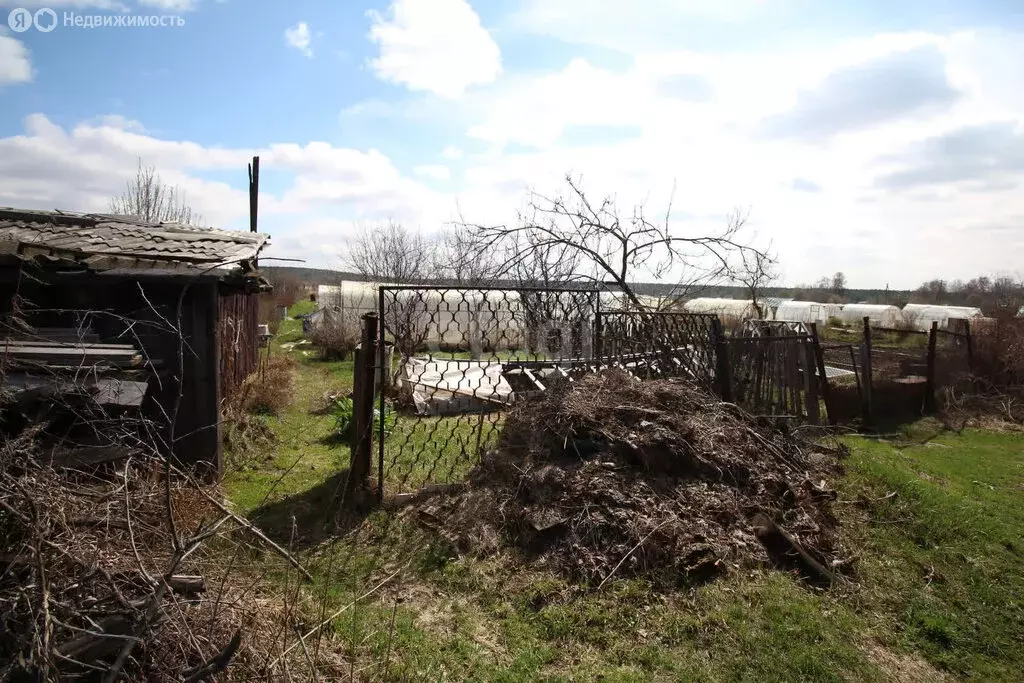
{"x": 729, "y": 310}
{"x": 446, "y": 387}
{"x": 881, "y": 316}
{"x": 806, "y": 311}
{"x": 921, "y": 316}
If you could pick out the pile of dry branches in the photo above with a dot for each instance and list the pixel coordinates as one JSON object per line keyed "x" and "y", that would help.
{"x": 610, "y": 476}
{"x": 139, "y": 574}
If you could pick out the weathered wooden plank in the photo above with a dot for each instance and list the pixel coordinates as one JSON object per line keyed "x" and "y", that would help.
{"x": 65, "y": 345}
{"x": 811, "y": 381}
{"x": 67, "y": 352}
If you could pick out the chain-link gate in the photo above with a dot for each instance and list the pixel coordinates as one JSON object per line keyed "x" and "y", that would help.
{"x": 454, "y": 360}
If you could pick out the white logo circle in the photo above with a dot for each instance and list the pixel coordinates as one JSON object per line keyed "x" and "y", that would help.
{"x": 45, "y": 12}
{"x": 20, "y": 19}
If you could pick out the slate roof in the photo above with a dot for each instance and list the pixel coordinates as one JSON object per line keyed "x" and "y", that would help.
{"x": 105, "y": 240}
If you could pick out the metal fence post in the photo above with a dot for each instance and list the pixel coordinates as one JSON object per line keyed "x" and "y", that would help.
{"x": 385, "y": 388}
{"x": 362, "y": 408}
{"x": 929, "y": 386}
{"x": 723, "y": 370}
{"x": 970, "y": 346}
{"x": 866, "y": 371}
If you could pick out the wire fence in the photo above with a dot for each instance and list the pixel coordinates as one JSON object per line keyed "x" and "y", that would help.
{"x": 453, "y": 361}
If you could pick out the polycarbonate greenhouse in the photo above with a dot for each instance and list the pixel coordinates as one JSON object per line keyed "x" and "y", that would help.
{"x": 806, "y": 311}
{"x": 921, "y": 316}
{"x": 880, "y": 315}
{"x": 729, "y": 310}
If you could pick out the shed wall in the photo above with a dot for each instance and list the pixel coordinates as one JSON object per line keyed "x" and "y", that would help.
{"x": 237, "y": 341}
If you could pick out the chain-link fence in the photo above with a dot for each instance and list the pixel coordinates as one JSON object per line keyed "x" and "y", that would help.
{"x": 454, "y": 360}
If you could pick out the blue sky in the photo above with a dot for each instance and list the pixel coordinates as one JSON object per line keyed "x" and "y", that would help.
{"x": 881, "y": 139}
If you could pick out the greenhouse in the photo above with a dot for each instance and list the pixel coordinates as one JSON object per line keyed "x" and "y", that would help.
{"x": 806, "y": 311}
{"x": 486, "y": 320}
{"x": 880, "y": 315}
{"x": 730, "y": 311}
{"x": 921, "y": 316}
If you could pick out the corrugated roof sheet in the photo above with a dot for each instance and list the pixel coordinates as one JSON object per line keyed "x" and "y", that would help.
{"x": 123, "y": 238}
{"x": 775, "y": 301}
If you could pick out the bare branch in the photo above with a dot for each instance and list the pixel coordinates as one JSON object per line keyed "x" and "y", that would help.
{"x": 390, "y": 252}
{"x": 147, "y": 197}
{"x": 591, "y": 240}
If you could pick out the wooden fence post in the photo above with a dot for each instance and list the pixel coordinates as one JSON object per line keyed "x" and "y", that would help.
{"x": 970, "y": 346}
{"x": 866, "y": 371}
{"x": 362, "y": 409}
{"x": 723, "y": 368}
{"x": 357, "y": 382}
{"x": 819, "y": 358}
{"x": 929, "y": 386}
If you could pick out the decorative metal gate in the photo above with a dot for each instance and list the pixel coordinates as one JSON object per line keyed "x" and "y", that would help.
{"x": 656, "y": 344}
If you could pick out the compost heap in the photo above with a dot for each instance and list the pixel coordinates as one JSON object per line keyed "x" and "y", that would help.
{"x": 609, "y": 475}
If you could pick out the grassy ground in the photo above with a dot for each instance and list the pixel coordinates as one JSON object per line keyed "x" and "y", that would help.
{"x": 936, "y": 518}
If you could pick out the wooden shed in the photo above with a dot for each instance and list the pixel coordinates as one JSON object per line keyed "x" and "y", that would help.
{"x": 167, "y": 308}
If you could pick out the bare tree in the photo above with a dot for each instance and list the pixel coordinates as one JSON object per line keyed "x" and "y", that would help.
{"x": 612, "y": 247}
{"x": 756, "y": 271}
{"x": 146, "y": 196}
{"x": 460, "y": 258}
{"x": 839, "y": 283}
{"x": 390, "y": 252}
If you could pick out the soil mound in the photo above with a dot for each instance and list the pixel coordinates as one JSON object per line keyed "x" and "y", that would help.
{"x": 610, "y": 476}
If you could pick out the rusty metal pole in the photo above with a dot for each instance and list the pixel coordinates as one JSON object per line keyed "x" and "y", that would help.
{"x": 868, "y": 372}
{"x": 929, "y": 387}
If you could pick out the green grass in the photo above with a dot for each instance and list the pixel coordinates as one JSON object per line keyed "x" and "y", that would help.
{"x": 305, "y": 456}
{"x": 937, "y": 520}
{"x": 945, "y": 553}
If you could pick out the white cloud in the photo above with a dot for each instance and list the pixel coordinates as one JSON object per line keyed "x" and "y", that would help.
{"x": 170, "y": 5}
{"x": 433, "y": 171}
{"x": 111, "y": 5}
{"x": 895, "y": 198}
{"x": 842, "y": 214}
{"x": 437, "y": 46}
{"x": 625, "y": 26}
{"x": 120, "y": 122}
{"x": 81, "y": 4}
{"x": 299, "y": 37}
{"x": 451, "y": 153}
{"x": 15, "y": 66}
{"x": 80, "y": 169}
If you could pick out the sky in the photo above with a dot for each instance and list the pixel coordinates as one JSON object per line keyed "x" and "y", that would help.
{"x": 881, "y": 139}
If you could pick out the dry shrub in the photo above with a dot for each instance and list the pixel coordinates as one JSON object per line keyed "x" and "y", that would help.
{"x": 247, "y": 439}
{"x": 288, "y": 289}
{"x": 91, "y": 582}
{"x": 661, "y": 479}
{"x": 270, "y": 389}
{"x": 999, "y": 352}
{"x": 336, "y": 336}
